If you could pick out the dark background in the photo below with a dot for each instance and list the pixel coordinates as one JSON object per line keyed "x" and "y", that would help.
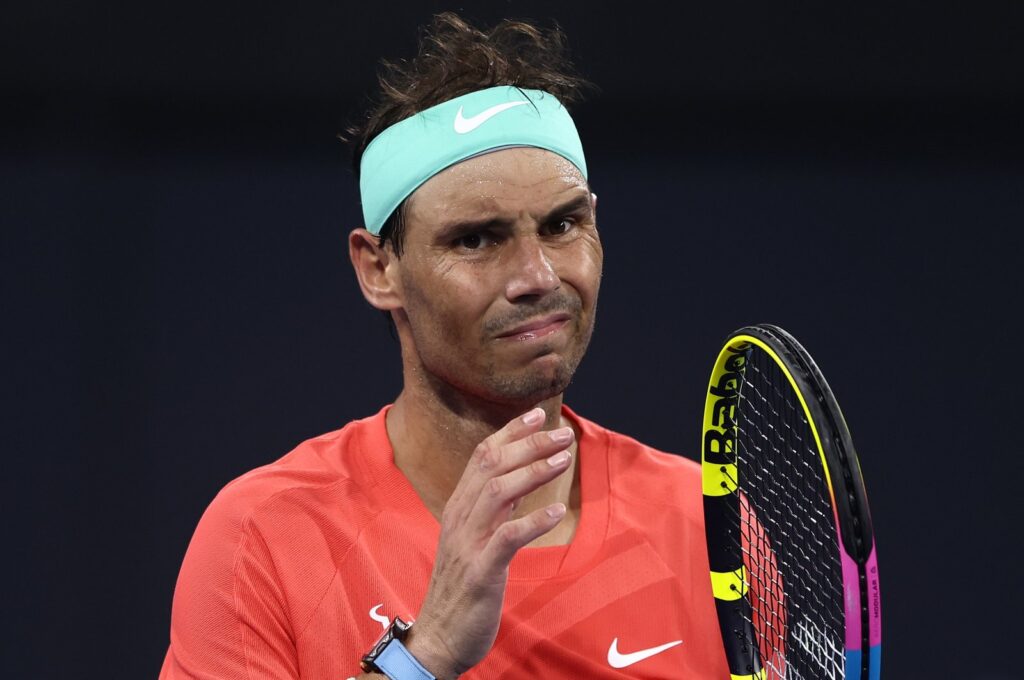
{"x": 178, "y": 306}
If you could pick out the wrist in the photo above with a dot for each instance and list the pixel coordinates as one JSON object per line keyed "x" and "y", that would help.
{"x": 432, "y": 654}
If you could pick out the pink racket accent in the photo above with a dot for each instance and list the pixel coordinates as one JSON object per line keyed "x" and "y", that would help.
{"x": 874, "y": 601}
{"x": 851, "y": 599}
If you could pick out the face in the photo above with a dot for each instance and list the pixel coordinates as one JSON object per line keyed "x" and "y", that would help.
{"x": 499, "y": 275}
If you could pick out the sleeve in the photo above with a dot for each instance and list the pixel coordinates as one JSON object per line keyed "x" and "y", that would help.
{"x": 229, "y": 618}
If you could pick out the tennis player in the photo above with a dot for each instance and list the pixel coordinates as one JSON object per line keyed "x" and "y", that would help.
{"x": 476, "y": 527}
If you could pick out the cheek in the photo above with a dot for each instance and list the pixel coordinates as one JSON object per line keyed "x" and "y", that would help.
{"x": 451, "y": 304}
{"x": 583, "y": 267}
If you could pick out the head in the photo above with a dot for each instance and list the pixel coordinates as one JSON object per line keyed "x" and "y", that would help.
{"x": 490, "y": 268}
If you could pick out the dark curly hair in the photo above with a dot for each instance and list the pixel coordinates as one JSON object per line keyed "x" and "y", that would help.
{"x": 455, "y": 58}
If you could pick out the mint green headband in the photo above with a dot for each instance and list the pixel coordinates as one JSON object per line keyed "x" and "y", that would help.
{"x": 411, "y": 151}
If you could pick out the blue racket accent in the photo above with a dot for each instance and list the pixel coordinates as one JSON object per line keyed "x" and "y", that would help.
{"x": 875, "y": 661}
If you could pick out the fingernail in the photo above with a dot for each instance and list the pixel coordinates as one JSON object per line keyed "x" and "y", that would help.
{"x": 555, "y": 511}
{"x": 534, "y": 416}
{"x": 558, "y": 458}
{"x": 562, "y": 435}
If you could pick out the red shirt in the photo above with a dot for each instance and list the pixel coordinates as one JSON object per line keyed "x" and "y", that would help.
{"x": 295, "y": 565}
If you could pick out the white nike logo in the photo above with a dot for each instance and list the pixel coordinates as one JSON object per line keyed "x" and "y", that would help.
{"x": 618, "y": 660}
{"x": 464, "y": 125}
{"x": 382, "y": 620}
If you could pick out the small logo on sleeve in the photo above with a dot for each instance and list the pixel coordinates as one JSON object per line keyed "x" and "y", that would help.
{"x": 380, "y": 618}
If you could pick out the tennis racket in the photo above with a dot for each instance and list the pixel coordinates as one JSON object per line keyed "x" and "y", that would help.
{"x": 790, "y": 543}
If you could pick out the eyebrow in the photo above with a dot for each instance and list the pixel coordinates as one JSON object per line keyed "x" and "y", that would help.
{"x": 455, "y": 229}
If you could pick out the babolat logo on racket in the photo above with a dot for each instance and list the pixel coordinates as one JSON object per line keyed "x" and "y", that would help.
{"x": 720, "y": 418}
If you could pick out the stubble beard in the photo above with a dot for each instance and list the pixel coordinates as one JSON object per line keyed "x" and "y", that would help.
{"x": 520, "y": 387}
{"x": 532, "y": 385}
{"x": 516, "y": 388}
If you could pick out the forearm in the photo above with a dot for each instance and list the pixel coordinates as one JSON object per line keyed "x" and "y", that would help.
{"x": 458, "y": 621}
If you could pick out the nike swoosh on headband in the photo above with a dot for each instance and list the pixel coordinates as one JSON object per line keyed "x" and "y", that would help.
{"x": 464, "y": 125}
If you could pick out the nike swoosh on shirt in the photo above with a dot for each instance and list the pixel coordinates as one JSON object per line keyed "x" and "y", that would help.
{"x": 619, "y": 660}
{"x": 380, "y": 618}
{"x": 464, "y": 125}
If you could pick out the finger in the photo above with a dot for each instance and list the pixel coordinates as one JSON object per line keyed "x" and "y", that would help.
{"x": 485, "y": 453}
{"x": 514, "y": 534}
{"x": 531, "y": 448}
{"x": 500, "y": 493}
{"x": 528, "y": 423}
{"x": 488, "y": 454}
{"x": 527, "y": 450}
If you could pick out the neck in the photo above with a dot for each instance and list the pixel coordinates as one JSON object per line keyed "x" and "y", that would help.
{"x": 434, "y": 429}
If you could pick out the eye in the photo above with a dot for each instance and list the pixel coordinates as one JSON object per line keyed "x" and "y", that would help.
{"x": 473, "y": 240}
{"x": 560, "y": 227}
{"x": 469, "y": 241}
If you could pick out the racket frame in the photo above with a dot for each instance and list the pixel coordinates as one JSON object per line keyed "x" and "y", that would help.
{"x": 843, "y": 477}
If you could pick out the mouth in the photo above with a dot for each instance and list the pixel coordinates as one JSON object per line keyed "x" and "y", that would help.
{"x": 537, "y": 328}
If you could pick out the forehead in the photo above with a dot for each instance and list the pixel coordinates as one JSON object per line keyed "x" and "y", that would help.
{"x": 513, "y": 180}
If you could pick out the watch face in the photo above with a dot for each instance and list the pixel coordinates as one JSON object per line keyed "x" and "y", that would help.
{"x": 401, "y": 628}
{"x": 397, "y": 630}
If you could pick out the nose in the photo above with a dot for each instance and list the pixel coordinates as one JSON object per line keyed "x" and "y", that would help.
{"x": 531, "y": 271}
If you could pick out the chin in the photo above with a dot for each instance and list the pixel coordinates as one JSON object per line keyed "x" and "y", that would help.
{"x": 531, "y": 387}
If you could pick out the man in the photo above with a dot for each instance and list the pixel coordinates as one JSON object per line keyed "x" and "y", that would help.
{"x": 524, "y": 540}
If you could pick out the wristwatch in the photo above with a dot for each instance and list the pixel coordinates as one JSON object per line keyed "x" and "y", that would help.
{"x": 390, "y": 657}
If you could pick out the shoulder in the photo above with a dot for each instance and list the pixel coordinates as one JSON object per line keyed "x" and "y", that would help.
{"x": 321, "y": 471}
{"x": 256, "y": 565}
{"x": 293, "y": 516}
{"x": 283, "y": 507}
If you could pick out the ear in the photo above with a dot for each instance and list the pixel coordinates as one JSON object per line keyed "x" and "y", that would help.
{"x": 593, "y": 202}
{"x": 374, "y": 267}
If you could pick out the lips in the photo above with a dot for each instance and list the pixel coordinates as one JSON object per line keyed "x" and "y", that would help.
{"x": 540, "y": 326}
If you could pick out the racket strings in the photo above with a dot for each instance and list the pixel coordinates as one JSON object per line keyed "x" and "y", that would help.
{"x": 786, "y": 529}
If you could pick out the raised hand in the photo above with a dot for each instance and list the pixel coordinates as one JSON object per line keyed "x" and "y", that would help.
{"x": 458, "y": 621}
